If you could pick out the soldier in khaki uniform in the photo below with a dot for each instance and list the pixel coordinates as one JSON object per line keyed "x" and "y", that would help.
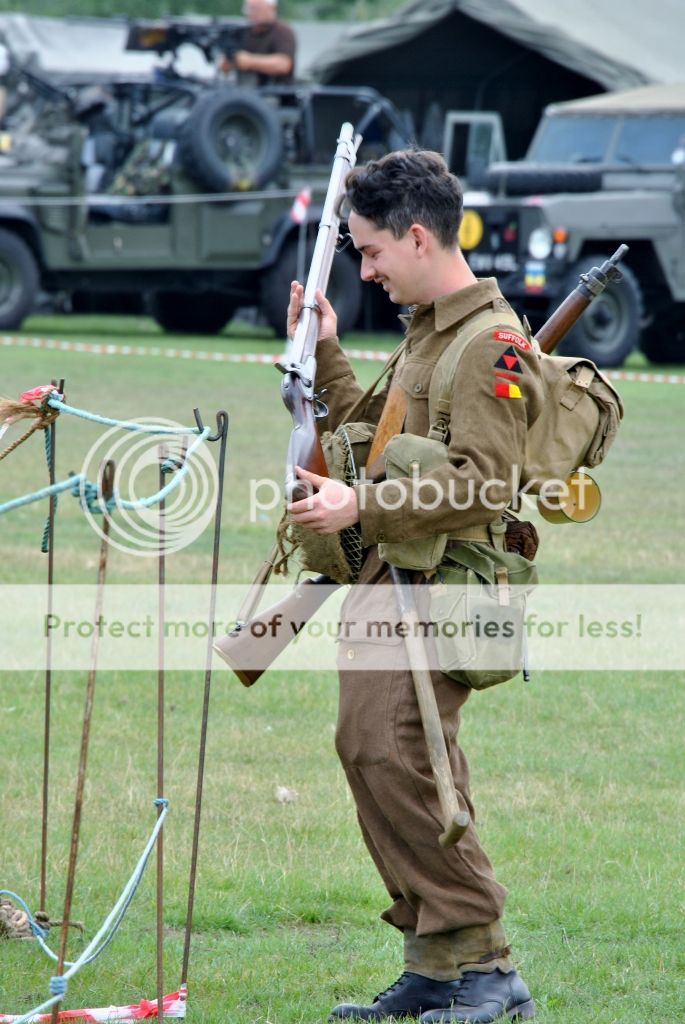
{"x": 405, "y": 211}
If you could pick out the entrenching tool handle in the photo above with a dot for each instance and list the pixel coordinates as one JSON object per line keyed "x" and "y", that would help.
{"x": 455, "y": 820}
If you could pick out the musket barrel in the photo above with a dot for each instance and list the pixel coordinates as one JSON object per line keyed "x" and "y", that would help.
{"x": 326, "y": 240}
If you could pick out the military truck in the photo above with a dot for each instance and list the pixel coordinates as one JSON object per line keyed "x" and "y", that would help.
{"x": 599, "y": 171}
{"x": 182, "y": 192}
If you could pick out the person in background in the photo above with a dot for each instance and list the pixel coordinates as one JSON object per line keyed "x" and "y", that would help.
{"x": 267, "y": 54}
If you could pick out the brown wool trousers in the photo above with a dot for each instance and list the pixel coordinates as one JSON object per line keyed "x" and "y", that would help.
{"x": 381, "y": 745}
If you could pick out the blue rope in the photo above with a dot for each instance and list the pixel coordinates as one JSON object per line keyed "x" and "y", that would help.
{"x": 145, "y": 428}
{"x": 107, "y": 931}
{"x": 44, "y": 492}
{"x": 82, "y": 488}
{"x": 58, "y": 985}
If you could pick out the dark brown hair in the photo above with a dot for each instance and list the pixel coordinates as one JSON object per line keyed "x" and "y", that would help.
{"x": 408, "y": 187}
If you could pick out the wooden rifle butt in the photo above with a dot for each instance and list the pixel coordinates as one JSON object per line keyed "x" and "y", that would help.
{"x": 251, "y": 647}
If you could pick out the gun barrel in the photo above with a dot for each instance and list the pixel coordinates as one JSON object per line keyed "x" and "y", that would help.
{"x": 326, "y": 240}
{"x": 590, "y": 285}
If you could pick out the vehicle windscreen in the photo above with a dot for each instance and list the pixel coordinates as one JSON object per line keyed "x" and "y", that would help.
{"x": 637, "y": 140}
{"x": 563, "y": 140}
{"x": 650, "y": 140}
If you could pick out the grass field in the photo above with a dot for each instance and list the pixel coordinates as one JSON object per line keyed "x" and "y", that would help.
{"x": 578, "y": 778}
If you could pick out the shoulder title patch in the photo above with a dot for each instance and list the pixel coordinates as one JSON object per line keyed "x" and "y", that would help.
{"x": 509, "y": 338}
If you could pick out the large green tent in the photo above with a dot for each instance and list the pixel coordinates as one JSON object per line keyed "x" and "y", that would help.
{"x": 511, "y": 56}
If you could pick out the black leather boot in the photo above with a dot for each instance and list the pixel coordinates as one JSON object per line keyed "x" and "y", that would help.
{"x": 483, "y": 998}
{"x": 409, "y": 996}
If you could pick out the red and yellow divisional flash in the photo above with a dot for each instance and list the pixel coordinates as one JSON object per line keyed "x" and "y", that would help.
{"x": 504, "y": 390}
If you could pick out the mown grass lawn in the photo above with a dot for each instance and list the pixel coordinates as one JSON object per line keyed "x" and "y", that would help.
{"x": 578, "y": 777}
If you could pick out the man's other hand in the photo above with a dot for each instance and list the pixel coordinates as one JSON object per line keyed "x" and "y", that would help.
{"x": 331, "y": 507}
{"x": 328, "y": 319}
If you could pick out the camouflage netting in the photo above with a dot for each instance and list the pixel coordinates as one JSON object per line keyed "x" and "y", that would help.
{"x": 338, "y": 555}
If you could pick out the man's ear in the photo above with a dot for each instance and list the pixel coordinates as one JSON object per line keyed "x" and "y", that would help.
{"x": 419, "y": 237}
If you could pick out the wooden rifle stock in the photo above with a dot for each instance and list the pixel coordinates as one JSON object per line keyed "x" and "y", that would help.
{"x": 391, "y": 421}
{"x": 239, "y": 647}
{"x": 251, "y": 647}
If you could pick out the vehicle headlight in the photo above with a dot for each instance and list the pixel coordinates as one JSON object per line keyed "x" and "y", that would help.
{"x": 540, "y": 243}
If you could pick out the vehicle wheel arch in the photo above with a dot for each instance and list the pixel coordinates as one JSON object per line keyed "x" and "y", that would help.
{"x": 23, "y": 224}
{"x": 345, "y": 293}
{"x": 620, "y": 305}
{"x": 285, "y": 230}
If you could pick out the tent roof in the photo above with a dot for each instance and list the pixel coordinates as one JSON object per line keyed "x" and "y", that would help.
{"x": 649, "y": 99}
{"x": 95, "y": 46}
{"x": 617, "y": 43}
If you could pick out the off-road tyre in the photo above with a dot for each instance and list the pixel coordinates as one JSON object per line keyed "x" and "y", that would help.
{"x": 344, "y": 287}
{"x": 609, "y": 329}
{"x": 231, "y": 142}
{"x": 19, "y": 280}
{"x": 663, "y": 341}
{"x": 514, "y": 179}
{"x": 192, "y": 312}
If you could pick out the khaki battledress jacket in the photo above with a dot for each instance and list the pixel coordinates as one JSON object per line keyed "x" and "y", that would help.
{"x": 379, "y": 739}
{"x": 496, "y": 396}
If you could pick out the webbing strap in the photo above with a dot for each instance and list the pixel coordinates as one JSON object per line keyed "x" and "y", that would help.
{"x": 496, "y": 314}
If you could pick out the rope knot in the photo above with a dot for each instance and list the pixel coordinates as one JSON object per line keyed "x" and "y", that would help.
{"x": 58, "y": 985}
{"x": 89, "y": 496}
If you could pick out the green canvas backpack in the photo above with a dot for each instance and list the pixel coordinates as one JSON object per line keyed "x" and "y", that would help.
{"x": 579, "y": 417}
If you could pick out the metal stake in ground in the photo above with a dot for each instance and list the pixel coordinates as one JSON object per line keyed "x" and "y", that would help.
{"x": 106, "y": 492}
{"x": 161, "y": 582}
{"x": 52, "y": 450}
{"x": 222, "y": 435}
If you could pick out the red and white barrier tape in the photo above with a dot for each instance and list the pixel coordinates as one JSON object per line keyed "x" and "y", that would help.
{"x": 370, "y": 355}
{"x": 173, "y": 1007}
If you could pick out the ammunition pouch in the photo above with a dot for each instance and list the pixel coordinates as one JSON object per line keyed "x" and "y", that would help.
{"x": 411, "y": 456}
{"x": 478, "y": 597}
{"x": 478, "y": 608}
